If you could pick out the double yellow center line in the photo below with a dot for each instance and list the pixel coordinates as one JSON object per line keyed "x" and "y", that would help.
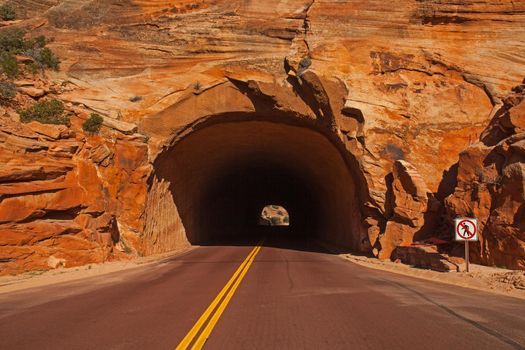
{"x": 218, "y": 305}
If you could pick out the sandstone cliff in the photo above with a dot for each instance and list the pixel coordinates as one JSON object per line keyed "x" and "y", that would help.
{"x": 423, "y": 99}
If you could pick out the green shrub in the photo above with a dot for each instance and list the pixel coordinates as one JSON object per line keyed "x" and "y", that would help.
{"x": 7, "y": 12}
{"x": 12, "y": 40}
{"x": 38, "y": 42}
{"x": 8, "y": 64}
{"x": 7, "y": 91}
{"x": 46, "y": 112}
{"x": 43, "y": 58}
{"x": 93, "y": 123}
{"x": 48, "y": 59}
{"x": 33, "y": 68}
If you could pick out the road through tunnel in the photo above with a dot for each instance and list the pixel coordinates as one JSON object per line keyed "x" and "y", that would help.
{"x": 212, "y": 184}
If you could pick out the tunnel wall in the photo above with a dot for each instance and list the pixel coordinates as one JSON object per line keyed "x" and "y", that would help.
{"x": 163, "y": 229}
{"x": 214, "y": 179}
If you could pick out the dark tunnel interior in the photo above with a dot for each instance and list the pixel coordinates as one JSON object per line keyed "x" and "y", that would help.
{"x": 221, "y": 176}
{"x": 247, "y": 188}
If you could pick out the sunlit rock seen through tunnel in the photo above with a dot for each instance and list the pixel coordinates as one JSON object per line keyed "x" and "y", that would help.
{"x": 274, "y": 215}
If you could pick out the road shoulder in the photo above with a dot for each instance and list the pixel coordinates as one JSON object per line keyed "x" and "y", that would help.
{"x": 34, "y": 279}
{"x": 485, "y": 278}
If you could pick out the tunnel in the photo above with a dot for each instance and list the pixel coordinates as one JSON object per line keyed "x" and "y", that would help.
{"x": 211, "y": 185}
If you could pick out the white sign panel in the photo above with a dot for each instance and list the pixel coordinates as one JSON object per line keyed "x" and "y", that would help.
{"x": 466, "y": 229}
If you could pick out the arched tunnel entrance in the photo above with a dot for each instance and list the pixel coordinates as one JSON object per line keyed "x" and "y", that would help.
{"x": 219, "y": 177}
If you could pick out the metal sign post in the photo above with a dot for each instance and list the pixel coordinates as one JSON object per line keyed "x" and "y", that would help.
{"x": 467, "y": 256}
{"x": 466, "y": 230}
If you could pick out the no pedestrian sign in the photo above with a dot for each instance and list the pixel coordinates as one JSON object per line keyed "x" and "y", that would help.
{"x": 466, "y": 229}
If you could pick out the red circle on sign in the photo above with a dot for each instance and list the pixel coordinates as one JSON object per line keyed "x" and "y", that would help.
{"x": 467, "y": 233}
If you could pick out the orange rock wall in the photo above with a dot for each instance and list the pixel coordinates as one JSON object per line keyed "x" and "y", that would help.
{"x": 62, "y": 195}
{"x": 418, "y": 82}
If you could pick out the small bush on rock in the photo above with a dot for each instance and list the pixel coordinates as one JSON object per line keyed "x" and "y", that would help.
{"x": 49, "y": 59}
{"x": 33, "y": 68}
{"x": 44, "y": 58}
{"x": 38, "y": 42}
{"x": 8, "y": 64}
{"x": 12, "y": 42}
{"x": 93, "y": 123}
{"x": 46, "y": 112}
{"x": 7, "y": 12}
{"x": 7, "y": 91}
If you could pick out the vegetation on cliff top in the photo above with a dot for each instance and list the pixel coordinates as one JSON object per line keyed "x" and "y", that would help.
{"x": 35, "y": 57}
{"x": 13, "y": 43}
{"x": 49, "y": 111}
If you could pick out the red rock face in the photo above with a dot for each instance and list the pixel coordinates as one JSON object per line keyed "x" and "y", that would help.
{"x": 60, "y": 195}
{"x": 413, "y": 210}
{"x": 422, "y": 101}
{"x": 491, "y": 187}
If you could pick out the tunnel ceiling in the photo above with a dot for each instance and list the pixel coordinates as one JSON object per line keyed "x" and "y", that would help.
{"x": 221, "y": 176}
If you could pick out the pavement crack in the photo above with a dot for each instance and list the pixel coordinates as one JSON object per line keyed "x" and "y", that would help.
{"x": 288, "y": 274}
{"x": 292, "y": 285}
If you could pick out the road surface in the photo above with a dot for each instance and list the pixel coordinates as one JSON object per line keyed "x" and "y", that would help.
{"x": 288, "y": 295}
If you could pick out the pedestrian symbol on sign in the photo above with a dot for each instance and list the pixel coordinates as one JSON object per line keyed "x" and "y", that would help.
{"x": 466, "y": 230}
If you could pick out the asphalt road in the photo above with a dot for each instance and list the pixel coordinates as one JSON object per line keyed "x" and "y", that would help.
{"x": 292, "y": 296}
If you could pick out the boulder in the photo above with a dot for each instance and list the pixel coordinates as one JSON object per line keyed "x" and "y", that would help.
{"x": 412, "y": 208}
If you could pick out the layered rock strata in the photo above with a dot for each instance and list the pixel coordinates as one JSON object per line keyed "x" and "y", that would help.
{"x": 418, "y": 100}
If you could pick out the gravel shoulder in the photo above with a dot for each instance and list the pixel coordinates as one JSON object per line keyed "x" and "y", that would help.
{"x": 485, "y": 278}
{"x": 43, "y": 278}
